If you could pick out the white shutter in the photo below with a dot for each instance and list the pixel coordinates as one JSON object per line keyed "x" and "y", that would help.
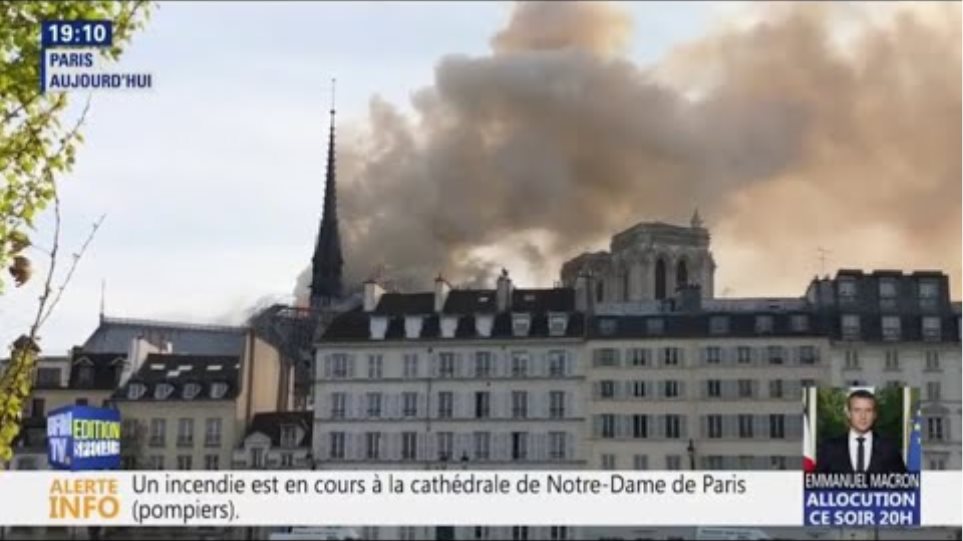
{"x": 456, "y": 405}
{"x": 596, "y": 426}
{"x": 540, "y": 444}
{"x": 571, "y": 405}
{"x": 421, "y": 441}
{"x": 501, "y": 446}
{"x": 570, "y": 451}
{"x": 327, "y": 366}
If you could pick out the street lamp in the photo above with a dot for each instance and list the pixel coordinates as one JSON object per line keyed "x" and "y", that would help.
{"x": 691, "y": 450}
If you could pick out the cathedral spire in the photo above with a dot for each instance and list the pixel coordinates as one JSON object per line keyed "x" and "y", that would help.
{"x": 327, "y": 261}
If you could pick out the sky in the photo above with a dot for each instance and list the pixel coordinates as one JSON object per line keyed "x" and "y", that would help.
{"x": 212, "y": 182}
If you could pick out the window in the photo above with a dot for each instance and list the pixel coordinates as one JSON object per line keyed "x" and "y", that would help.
{"x": 136, "y": 390}
{"x": 640, "y": 426}
{"x": 719, "y": 325}
{"x": 746, "y": 388}
{"x": 289, "y": 436}
{"x": 337, "y": 446}
{"x": 372, "y": 445}
{"x": 339, "y": 403}
{"x": 37, "y": 407}
{"x": 374, "y": 405}
{"x": 556, "y": 445}
{"x": 714, "y": 426}
{"x": 212, "y": 432}
{"x": 932, "y": 361}
{"x": 764, "y": 324}
{"x": 409, "y": 445}
{"x": 184, "y": 462}
{"x": 887, "y": 290}
{"x": 775, "y": 388}
{"x": 807, "y": 355}
{"x": 156, "y": 462}
{"x": 640, "y": 462}
{"x": 212, "y": 462}
{"x": 777, "y": 462}
{"x": 934, "y": 428}
{"x": 556, "y": 364}
{"x": 185, "y": 432}
{"x": 48, "y": 377}
{"x": 85, "y": 376}
{"x": 519, "y": 404}
{"x": 891, "y": 328}
{"x": 519, "y": 364}
{"x": 777, "y": 426}
{"x": 519, "y": 445}
{"x": 163, "y": 390}
{"x": 892, "y": 360}
{"x": 521, "y": 323}
{"x": 655, "y": 325}
{"x": 713, "y": 355}
{"x": 638, "y": 357}
{"x": 776, "y": 354}
{"x": 445, "y": 404}
{"x": 445, "y": 445}
{"x": 482, "y": 409}
{"x": 670, "y": 388}
{"x": 929, "y": 292}
{"x": 483, "y": 364}
{"x": 744, "y": 355}
{"x": 938, "y": 463}
{"x": 558, "y": 533}
{"x": 607, "y": 327}
{"x": 606, "y": 357}
{"x": 410, "y": 365}
{"x": 481, "y": 533}
{"x": 608, "y": 462}
{"x": 799, "y": 322}
{"x": 670, "y": 356}
{"x": 409, "y": 404}
{"x": 932, "y": 331}
{"x": 80, "y": 402}
{"x": 191, "y": 390}
{"x": 714, "y": 388}
{"x": 851, "y": 360}
{"x": 157, "y": 432}
{"x": 745, "y": 426}
{"x": 482, "y": 443}
{"x": 287, "y": 460}
{"x": 673, "y": 462}
{"x": 375, "y": 366}
{"x": 556, "y": 404}
{"x": 339, "y": 366}
{"x": 607, "y": 389}
{"x": 850, "y": 327}
{"x": 369, "y": 532}
{"x": 638, "y": 389}
{"x": 673, "y": 426}
{"x": 557, "y": 324}
{"x": 218, "y": 390}
{"x": 933, "y": 390}
{"x": 519, "y": 533}
{"x": 446, "y": 368}
{"x": 847, "y": 290}
{"x": 608, "y": 426}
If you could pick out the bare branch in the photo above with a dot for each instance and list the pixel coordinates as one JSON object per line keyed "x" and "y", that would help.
{"x": 73, "y": 266}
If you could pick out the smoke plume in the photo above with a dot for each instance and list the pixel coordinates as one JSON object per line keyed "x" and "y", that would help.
{"x": 815, "y": 126}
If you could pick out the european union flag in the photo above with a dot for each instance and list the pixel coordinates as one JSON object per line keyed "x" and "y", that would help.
{"x": 914, "y": 454}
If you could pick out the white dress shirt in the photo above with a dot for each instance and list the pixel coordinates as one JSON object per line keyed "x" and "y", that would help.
{"x": 854, "y": 448}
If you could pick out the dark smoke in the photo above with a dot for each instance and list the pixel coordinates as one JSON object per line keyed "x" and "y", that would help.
{"x": 783, "y": 139}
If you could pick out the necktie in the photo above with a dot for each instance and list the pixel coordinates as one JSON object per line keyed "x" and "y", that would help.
{"x": 860, "y": 455}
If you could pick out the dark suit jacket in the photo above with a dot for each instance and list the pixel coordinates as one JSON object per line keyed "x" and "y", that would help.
{"x": 833, "y": 456}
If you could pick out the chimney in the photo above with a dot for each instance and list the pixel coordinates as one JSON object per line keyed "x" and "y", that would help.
{"x": 372, "y": 294}
{"x": 503, "y": 293}
{"x": 441, "y": 293}
{"x": 138, "y": 351}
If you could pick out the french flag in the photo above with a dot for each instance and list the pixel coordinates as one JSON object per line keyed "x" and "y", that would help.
{"x": 809, "y": 444}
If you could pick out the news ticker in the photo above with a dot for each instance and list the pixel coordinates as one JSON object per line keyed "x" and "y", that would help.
{"x": 399, "y": 498}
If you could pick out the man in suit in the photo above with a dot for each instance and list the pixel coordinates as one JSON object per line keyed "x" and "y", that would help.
{"x": 861, "y": 449}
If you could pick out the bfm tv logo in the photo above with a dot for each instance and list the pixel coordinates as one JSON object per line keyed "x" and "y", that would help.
{"x": 83, "y": 438}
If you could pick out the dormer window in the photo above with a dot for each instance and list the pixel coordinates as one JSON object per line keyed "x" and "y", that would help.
{"x": 932, "y": 328}
{"x": 764, "y": 325}
{"x": 655, "y": 325}
{"x": 163, "y": 390}
{"x": 521, "y": 324}
{"x": 136, "y": 390}
{"x": 191, "y": 390}
{"x": 218, "y": 390}
{"x": 378, "y": 326}
{"x": 557, "y": 324}
{"x": 413, "y": 327}
{"x": 719, "y": 325}
{"x": 448, "y": 326}
{"x": 289, "y": 436}
{"x": 483, "y": 324}
{"x": 607, "y": 327}
{"x": 85, "y": 375}
{"x": 891, "y": 328}
{"x": 847, "y": 290}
